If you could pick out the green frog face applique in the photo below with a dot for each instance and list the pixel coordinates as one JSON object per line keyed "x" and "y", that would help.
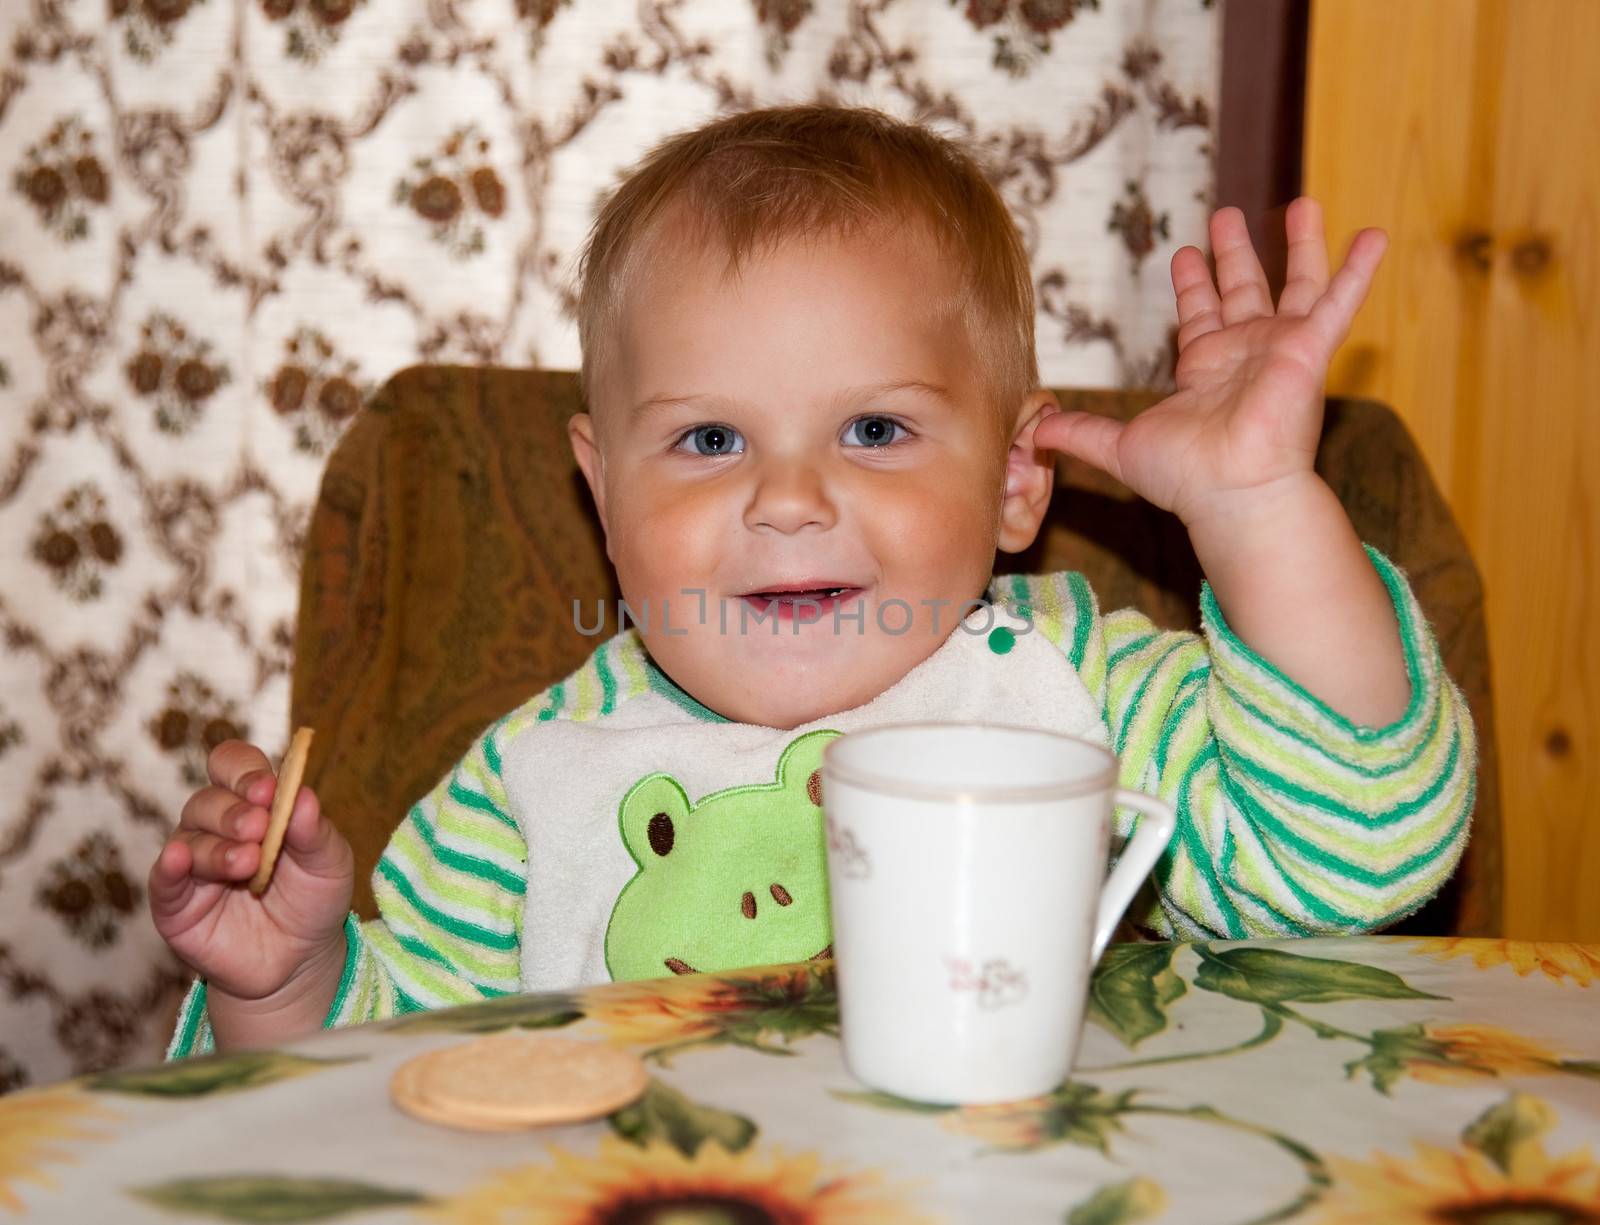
{"x": 739, "y": 879}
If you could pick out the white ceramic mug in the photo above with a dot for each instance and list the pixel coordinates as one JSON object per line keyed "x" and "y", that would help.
{"x": 967, "y": 874}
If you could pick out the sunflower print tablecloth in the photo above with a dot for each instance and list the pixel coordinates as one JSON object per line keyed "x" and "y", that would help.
{"x": 1372, "y": 1080}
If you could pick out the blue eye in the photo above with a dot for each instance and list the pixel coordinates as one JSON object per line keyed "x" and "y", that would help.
{"x": 873, "y": 432}
{"x": 712, "y": 440}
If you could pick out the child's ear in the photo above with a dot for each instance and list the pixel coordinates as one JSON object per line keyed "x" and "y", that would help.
{"x": 1030, "y": 477}
{"x": 580, "y": 433}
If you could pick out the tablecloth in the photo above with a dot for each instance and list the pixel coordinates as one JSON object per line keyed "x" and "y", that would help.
{"x": 1357, "y": 1079}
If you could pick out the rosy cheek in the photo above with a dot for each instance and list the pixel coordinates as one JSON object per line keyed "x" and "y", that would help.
{"x": 663, "y": 539}
{"x": 929, "y": 509}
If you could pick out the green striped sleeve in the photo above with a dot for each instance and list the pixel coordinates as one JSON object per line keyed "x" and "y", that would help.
{"x": 193, "y": 1035}
{"x": 449, "y": 887}
{"x": 1292, "y": 820}
{"x": 1330, "y": 825}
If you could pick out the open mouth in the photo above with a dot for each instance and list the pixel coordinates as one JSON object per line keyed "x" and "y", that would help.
{"x": 683, "y": 967}
{"x": 803, "y": 603}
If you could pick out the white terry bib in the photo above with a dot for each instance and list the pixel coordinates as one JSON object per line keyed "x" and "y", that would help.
{"x": 567, "y": 781}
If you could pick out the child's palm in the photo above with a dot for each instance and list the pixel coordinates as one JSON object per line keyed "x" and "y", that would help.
{"x": 1248, "y": 405}
{"x": 250, "y": 946}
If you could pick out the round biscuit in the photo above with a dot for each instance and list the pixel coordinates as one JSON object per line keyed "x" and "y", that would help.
{"x": 403, "y": 1091}
{"x": 525, "y": 1080}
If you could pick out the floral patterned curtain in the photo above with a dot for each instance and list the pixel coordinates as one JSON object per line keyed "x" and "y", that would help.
{"x": 225, "y": 222}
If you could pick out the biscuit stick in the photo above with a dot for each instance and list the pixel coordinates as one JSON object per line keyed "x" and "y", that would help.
{"x": 289, "y": 776}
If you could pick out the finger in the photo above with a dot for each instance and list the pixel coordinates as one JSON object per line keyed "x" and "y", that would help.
{"x": 171, "y": 885}
{"x": 216, "y": 810}
{"x": 1239, "y": 277}
{"x": 220, "y": 859}
{"x": 241, "y": 768}
{"x": 1307, "y": 275}
{"x": 307, "y": 832}
{"x": 1199, "y": 308}
{"x": 1336, "y": 309}
{"x": 315, "y": 843}
{"x": 1086, "y": 436}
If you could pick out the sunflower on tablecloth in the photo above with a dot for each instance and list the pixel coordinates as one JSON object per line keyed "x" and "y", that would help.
{"x": 1074, "y": 1113}
{"x": 1500, "y": 1176}
{"x": 754, "y": 1008}
{"x": 1559, "y": 960}
{"x": 627, "y": 1185}
{"x": 1444, "y": 1054}
{"x": 1475, "y": 1051}
{"x": 32, "y": 1126}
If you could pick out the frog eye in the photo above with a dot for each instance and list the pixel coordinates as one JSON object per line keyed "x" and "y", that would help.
{"x": 814, "y": 788}
{"x": 660, "y": 833}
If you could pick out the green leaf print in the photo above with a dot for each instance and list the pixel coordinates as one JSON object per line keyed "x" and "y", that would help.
{"x": 551, "y": 1010}
{"x": 1119, "y": 1203}
{"x": 1075, "y": 1113}
{"x": 1131, "y": 989}
{"x": 1396, "y": 1050}
{"x": 211, "y": 1074}
{"x": 1081, "y": 1114}
{"x": 1268, "y": 976}
{"x": 665, "y": 1114}
{"x": 789, "y": 1006}
{"x": 269, "y": 1199}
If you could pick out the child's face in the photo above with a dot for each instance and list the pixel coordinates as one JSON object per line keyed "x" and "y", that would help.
{"x": 810, "y": 426}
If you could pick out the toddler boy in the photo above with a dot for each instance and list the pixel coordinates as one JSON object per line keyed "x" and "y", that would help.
{"x": 815, "y": 414}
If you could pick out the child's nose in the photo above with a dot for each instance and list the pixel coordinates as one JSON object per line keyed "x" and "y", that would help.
{"x": 789, "y": 497}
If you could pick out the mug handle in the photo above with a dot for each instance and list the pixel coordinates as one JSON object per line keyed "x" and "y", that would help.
{"x": 1138, "y": 857}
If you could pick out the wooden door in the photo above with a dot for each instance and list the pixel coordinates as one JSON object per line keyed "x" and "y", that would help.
{"x": 1470, "y": 130}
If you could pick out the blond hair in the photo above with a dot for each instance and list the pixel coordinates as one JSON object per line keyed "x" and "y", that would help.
{"x": 747, "y": 182}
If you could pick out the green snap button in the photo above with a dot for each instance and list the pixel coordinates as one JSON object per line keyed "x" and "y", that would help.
{"x": 1001, "y": 640}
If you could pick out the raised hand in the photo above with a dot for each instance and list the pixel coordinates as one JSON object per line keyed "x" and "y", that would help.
{"x": 1247, "y": 412}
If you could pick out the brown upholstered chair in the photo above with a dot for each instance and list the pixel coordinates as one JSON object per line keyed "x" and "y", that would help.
{"x": 453, "y": 532}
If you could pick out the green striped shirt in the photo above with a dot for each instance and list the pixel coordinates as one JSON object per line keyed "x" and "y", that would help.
{"x": 1291, "y": 819}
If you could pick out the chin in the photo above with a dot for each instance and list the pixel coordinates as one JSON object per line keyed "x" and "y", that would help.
{"x": 788, "y": 705}
{"x": 787, "y": 682}
{"x": 791, "y": 715}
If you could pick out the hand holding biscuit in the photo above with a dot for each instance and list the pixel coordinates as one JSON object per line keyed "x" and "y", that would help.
{"x": 254, "y": 946}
